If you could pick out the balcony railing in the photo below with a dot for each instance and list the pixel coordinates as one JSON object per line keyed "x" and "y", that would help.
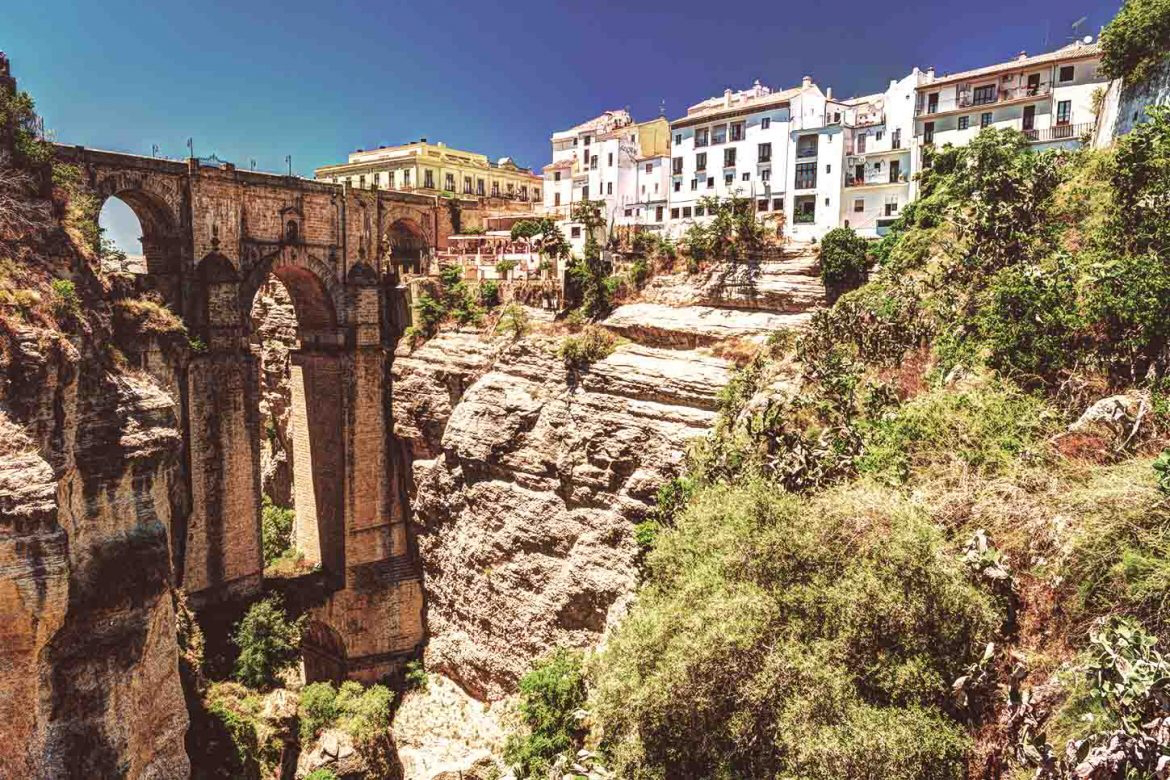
{"x": 967, "y": 99}
{"x": 1059, "y": 132}
{"x": 808, "y": 151}
{"x": 853, "y": 181}
{"x": 804, "y": 219}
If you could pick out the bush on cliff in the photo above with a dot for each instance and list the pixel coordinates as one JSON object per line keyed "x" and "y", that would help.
{"x": 276, "y": 525}
{"x": 779, "y": 637}
{"x": 844, "y": 260}
{"x": 269, "y": 643}
{"x": 551, "y": 697}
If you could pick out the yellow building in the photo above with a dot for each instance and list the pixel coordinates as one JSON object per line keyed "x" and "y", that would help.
{"x": 435, "y": 169}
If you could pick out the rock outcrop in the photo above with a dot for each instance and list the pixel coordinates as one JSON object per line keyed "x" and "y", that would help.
{"x": 88, "y": 655}
{"x": 274, "y": 325}
{"x": 525, "y": 512}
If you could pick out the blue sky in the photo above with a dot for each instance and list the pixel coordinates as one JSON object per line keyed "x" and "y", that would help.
{"x": 316, "y": 80}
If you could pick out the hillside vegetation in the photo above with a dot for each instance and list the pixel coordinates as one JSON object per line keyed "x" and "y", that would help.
{"x": 926, "y": 559}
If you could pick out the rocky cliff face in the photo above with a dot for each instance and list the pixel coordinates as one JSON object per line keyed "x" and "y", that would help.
{"x": 525, "y": 510}
{"x": 274, "y": 325}
{"x": 88, "y": 657}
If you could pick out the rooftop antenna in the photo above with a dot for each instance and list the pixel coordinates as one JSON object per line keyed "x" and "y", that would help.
{"x": 1075, "y": 25}
{"x": 253, "y": 164}
{"x": 154, "y": 150}
{"x": 191, "y": 147}
{"x": 288, "y": 159}
{"x": 662, "y": 107}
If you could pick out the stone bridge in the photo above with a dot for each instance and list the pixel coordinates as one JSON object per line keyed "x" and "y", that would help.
{"x": 211, "y": 236}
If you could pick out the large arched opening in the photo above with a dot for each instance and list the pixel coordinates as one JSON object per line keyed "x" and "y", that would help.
{"x": 323, "y": 654}
{"x": 138, "y": 237}
{"x": 292, "y": 325}
{"x": 407, "y": 242}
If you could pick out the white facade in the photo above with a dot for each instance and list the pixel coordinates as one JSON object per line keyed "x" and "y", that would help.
{"x": 609, "y": 159}
{"x": 879, "y": 137}
{"x": 1049, "y": 97}
{"x": 732, "y": 145}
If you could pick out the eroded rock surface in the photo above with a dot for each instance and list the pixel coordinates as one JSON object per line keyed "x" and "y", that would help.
{"x": 274, "y": 325}
{"x": 525, "y": 515}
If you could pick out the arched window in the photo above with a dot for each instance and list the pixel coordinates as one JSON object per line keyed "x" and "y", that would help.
{"x": 291, "y": 231}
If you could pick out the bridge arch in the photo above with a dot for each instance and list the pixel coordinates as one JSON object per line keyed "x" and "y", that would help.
{"x": 407, "y": 243}
{"x": 162, "y": 244}
{"x": 324, "y": 653}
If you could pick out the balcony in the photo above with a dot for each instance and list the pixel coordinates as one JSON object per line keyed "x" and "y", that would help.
{"x": 1059, "y": 133}
{"x": 966, "y": 98}
{"x": 875, "y": 181}
{"x": 804, "y": 218}
{"x": 808, "y": 151}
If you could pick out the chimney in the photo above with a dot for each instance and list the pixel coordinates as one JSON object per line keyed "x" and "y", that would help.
{"x": 1022, "y": 55}
{"x": 828, "y": 93}
{"x": 893, "y": 83}
{"x": 930, "y": 73}
{"x": 806, "y": 82}
{"x": 727, "y": 97}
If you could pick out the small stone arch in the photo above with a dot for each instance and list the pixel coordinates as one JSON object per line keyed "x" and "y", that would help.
{"x": 153, "y": 205}
{"x": 324, "y": 653}
{"x": 407, "y": 244}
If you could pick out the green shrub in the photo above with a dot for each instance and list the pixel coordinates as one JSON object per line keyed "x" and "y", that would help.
{"x": 513, "y": 321}
{"x": 321, "y": 774}
{"x": 581, "y": 350}
{"x": 416, "y": 676}
{"x": 1030, "y": 323}
{"x": 318, "y": 710}
{"x": 276, "y": 525}
{"x": 430, "y": 313}
{"x": 1134, "y": 42}
{"x": 985, "y": 430}
{"x": 66, "y": 304}
{"x": 505, "y": 267}
{"x": 550, "y": 696}
{"x": 489, "y": 294}
{"x": 777, "y": 636}
{"x": 844, "y": 259}
{"x": 268, "y": 643}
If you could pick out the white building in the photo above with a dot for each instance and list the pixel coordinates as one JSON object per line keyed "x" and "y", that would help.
{"x": 1049, "y": 97}
{"x": 609, "y": 159}
{"x": 879, "y": 134}
{"x": 734, "y": 144}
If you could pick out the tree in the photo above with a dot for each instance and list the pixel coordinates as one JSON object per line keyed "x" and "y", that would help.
{"x": 1134, "y": 42}
{"x": 590, "y": 271}
{"x": 844, "y": 260}
{"x": 269, "y": 643}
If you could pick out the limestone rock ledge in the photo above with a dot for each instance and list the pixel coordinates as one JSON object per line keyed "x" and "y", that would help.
{"x": 89, "y": 681}
{"x": 525, "y": 513}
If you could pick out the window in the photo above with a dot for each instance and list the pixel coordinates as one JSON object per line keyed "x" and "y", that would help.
{"x": 804, "y": 210}
{"x": 593, "y": 163}
{"x": 746, "y": 177}
{"x": 928, "y": 133}
{"x": 449, "y": 182}
{"x": 701, "y": 161}
{"x": 588, "y": 138}
{"x": 524, "y": 192}
{"x": 828, "y": 167}
{"x": 495, "y": 189}
{"x": 536, "y": 194}
{"x": 859, "y": 205}
{"x": 1066, "y": 73}
{"x": 429, "y": 179}
{"x": 609, "y": 160}
{"x": 766, "y": 174}
{"x": 479, "y": 187}
{"x": 1063, "y": 110}
{"x": 983, "y": 95}
{"x": 861, "y": 143}
{"x": 694, "y": 184}
{"x": 719, "y": 134}
{"x": 729, "y": 178}
{"x": 701, "y": 137}
{"x": 556, "y": 175}
{"x": 932, "y": 103}
{"x": 674, "y": 213}
{"x": 678, "y": 186}
{"x": 764, "y": 153}
{"x": 891, "y": 208}
{"x": 777, "y": 204}
{"x": 362, "y": 182}
{"x": 896, "y": 139}
{"x": 609, "y": 188}
{"x": 964, "y": 122}
{"x": 556, "y": 198}
{"x": 649, "y": 167}
{"x": 686, "y": 212}
{"x": 737, "y": 131}
{"x": 710, "y": 182}
{"x": 466, "y": 185}
{"x": 676, "y": 166}
{"x": 511, "y": 187}
{"x": 729, "y": 158}
{"x": 575, "y": 232}
{"x": 658, "y": 213}
{"x": 895, "y": 171}
{"x": 762, "y": 205}
{"x": 629, "y": 212}
{"x": 806, "y": 176}
{"x": 985, "y": 119}
{"x": 698, "y": 211}
{"x": 878, "y": 135}
{"x": 806, "y": 146}
{"x": 765, "y": 123}
{"x": 1029, "y": 121}
{"x": 406, "y": 178}
{"x": 677, "y": 139}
